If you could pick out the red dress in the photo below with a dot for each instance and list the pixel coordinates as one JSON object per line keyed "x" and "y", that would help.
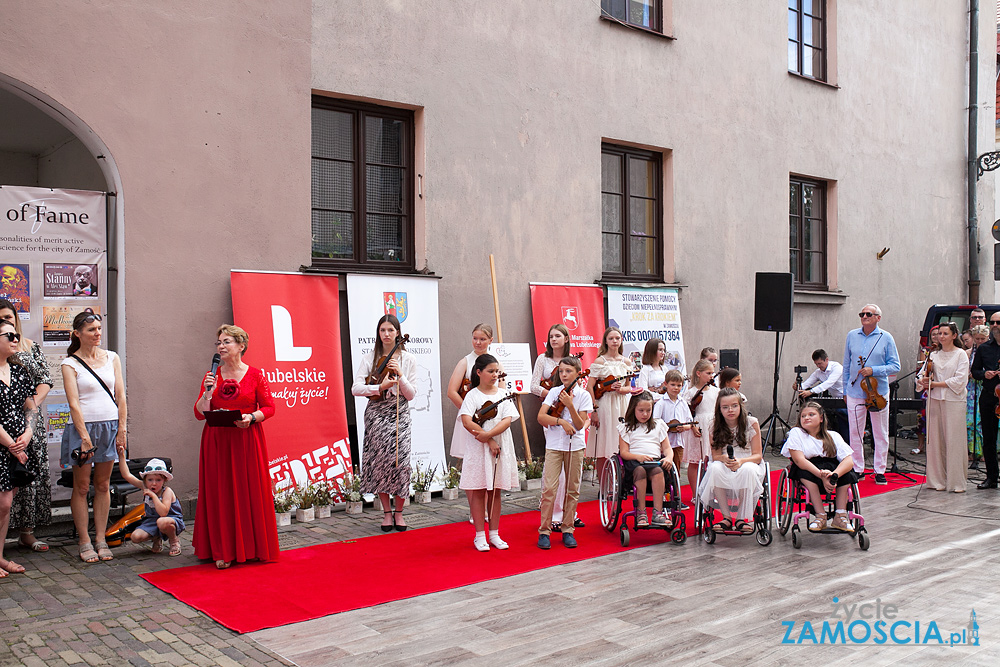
{"x": 235, "y": 517}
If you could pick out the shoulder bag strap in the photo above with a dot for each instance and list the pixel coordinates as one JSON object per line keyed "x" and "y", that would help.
{"x": 97, "y": 376}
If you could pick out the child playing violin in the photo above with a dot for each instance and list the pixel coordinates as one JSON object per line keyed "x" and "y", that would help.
{"x": 675, "y": 412}
{"x": 652, "y": 374}
{"x": 565, "y": 416}
{"x": 489, "y": 462}
{"x": 704, "y": 393}
{"x": 611, "y": 362}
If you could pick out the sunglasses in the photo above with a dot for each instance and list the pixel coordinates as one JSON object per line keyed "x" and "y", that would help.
{"x": 12, "y": 336}
{"x": 93, "y": 317}
{"x": 864, "y": 315}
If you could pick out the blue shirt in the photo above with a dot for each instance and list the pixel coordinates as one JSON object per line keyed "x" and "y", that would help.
{"x": 879, "y": 349}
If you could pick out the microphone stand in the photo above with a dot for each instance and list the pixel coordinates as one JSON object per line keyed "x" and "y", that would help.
{"x": 894, "y": 426}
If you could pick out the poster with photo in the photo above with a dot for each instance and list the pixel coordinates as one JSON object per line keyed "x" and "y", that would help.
{"x": 70, "y": 281}
{"x": 57, "y": 415}
{"x": 57, "y": 324}
{"x": 15, "y": 286}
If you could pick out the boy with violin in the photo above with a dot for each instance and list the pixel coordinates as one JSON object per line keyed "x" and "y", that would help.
{"x": 565, "y": 415}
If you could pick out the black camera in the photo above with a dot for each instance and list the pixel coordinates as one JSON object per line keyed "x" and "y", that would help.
{"x": 81, "y": 457}
{"x": 801, "y": 369}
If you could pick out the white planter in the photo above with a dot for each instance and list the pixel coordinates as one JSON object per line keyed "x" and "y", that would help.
{"x": 304, "y": 516}
{"x": 524, "y": 484}
{"x": 533, "y": 484}
{"x": 588, "y": 476}
{"x": 355, "y": 508}
{"x": 284, "y": 518}
{"x": 322, "y": 511}
{"x": 449, "y": 494}
{"x": 423, "y": 497}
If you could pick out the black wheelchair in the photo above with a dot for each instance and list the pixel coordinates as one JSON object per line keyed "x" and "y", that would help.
{"x": 793, "y": 504}
{"x": 705, "y": 514}
{"x": 616, "y": 485}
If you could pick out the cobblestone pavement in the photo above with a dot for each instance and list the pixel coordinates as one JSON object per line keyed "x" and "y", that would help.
{"x": 65, "y": 612}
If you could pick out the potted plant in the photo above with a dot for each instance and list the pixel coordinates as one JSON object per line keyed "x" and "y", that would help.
{"x": 533, "y": 475}
{"x": 322, "y": 498}
{"x": 589, "y": 465}
{"x": 451, "y": 479}
{"x": 421, "y": 481}
{"x": 304, "y": 510}
{"x": 283, "y": 507}
{"x": 350, "y": 491}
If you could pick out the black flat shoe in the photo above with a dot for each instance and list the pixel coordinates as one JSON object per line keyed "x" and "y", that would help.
{"x": 988, "y": 484}
{"x": 388, "y": 529}
{"x": 399, "y": 528}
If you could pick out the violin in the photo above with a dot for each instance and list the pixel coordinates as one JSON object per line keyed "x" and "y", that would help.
{"x": 874, "y": 401}
{"x": 381, "y": 368}
{"x": 697, "y": 398}
{"x": 556, "y": 409}
{"x": 553, "y": 380}
{"x": 675, "y": 425}
{"x": 489, "y": 409}
{"x": 467, "y": 384}
{"x": 603, "y": 385}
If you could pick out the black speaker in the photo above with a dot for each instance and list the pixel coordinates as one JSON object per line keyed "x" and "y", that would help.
{"x": 772, "y": 305}
{"x": 729, "y": 359}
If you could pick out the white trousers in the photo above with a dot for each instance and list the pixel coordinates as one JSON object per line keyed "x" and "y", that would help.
{"x": 880, "y": 432}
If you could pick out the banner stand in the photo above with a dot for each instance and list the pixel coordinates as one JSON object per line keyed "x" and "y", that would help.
{"x": 520, "y": 410}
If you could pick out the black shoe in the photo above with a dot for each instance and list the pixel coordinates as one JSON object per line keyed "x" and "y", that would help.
{"x": 578, "y": 523}
{"x": 399, "y": 527}
{"x": 987, "y": 484}
{"x": 556, "y": 527}
{"x": 861, "y": 476}
{"x": 880, "y": 479}
{"x": 388, "y": 529}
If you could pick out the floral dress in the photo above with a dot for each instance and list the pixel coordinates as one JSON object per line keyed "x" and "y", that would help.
{"x": 32, "y": 505}
{"x": 12, "y": 418}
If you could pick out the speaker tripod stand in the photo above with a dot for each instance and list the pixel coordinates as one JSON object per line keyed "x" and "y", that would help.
{"x": 774, "y": 418}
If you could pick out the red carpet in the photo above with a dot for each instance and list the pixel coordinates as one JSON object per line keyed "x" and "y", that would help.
{"x": 316, "y": 581}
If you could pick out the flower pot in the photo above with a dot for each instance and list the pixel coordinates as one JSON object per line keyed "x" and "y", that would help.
{"x": 423, "y": 497}
{"x": 449, "y": 494}
{"x": 533, "y": 484}
{"x": 304, "y": 516}
{"x": 284, "y": 518}
{"x": 588, "y": 476}
{"x": 355, "y": 508}
{"x": 322, "y": 511}
{"x": 524, "y": 484}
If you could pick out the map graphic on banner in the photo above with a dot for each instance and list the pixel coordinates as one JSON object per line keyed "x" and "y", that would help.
{"x": 294, "y": 327}
{"x": 43, "y": 229}
{"x": 642, "y": 314}
{"x": 414, "y": 300}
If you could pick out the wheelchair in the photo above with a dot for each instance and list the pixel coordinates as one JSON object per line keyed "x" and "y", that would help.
{"x": 614, "y": 488}
{"x": 792, "y": 504}
{"x": 705, "y": 514}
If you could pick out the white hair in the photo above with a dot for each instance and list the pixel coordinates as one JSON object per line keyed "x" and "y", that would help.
{"x": 878, "y": 311}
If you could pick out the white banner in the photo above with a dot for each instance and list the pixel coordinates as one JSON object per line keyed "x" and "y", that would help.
{"x": 53, "y": 265}
{"x": 516, "y": 361}
{"x": 414, "y": 301}
{"x": 642, "y": 314}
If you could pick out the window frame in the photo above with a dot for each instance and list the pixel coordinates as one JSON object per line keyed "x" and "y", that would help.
{"x": 824, "y": 218}
{"x": 799, "y": 41}
{"x": 359, "y": 261}
{"x": 656, "y": 26}
{"x": 657, "y": 158}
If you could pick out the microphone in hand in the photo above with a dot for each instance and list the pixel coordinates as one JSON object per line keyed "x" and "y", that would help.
{"x": 210, "y": 380}
{"x": 729, "y": 452}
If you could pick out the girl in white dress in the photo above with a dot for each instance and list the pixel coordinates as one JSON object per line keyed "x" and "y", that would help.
{"x": 946, "y": 419}
{"x": 652, "y": 373}
{"x": 820, "y": 456}
{"x": 489, "y": 463}
{"x": 699, "y": 447}
{"x": 610, "y": 362}
{"x": 645, "y": 449}
{"x": 482, "y": 336}
{"x": 734, "y": 482}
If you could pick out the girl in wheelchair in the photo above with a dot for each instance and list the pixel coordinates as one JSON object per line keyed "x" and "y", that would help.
{"x": 820, "y": 456}
{"x": 645, "y": 450}
{"x": 735, "y": 477}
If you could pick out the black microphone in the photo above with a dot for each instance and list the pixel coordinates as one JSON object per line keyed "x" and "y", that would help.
{"x": 729, "y": 450}
{"x": 216, "y": 360}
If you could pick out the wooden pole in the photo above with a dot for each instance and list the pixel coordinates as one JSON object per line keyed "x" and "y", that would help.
{"x": 496, "y": 312}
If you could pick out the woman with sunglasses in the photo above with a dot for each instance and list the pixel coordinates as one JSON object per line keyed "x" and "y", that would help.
{"x": 17, "y": 412}
{"x": 32, "y": 504}
{"x": 95, "y": 391}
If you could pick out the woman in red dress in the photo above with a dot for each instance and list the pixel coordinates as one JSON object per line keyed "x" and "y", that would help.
{"x": 235, "y": 518}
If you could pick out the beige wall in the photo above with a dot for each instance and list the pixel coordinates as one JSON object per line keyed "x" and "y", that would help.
{"x": 205, "y": 111}
{"x": 515, "y": 103}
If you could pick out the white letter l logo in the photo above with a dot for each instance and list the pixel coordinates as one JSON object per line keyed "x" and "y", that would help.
{"x": 284, "y": 348}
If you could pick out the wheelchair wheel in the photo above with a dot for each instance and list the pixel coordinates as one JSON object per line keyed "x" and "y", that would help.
{"x": 785, "y": 501}
{"x": 796, "y": 537}
{"x": 764, "y": 537}
{"x": 706, "y": 530}
{"x": 623, "y": 535}
{"x": 609, "y": 494}
{"x": 863, "y": 540}
{"x": 678, "y": 536}
{"x": 855, "y": 506}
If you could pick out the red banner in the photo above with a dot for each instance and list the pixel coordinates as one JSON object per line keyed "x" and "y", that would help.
{"x": 294, "y": 325}
{"x": 579, "y": 307}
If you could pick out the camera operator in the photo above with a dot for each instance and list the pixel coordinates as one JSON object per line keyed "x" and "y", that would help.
{"x": 826, "y": 380}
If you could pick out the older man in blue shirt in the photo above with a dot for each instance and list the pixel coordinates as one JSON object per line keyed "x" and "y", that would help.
{"x": 869, "y": 352}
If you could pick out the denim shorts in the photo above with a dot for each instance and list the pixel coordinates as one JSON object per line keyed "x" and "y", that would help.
{"x": 102, "y": 435}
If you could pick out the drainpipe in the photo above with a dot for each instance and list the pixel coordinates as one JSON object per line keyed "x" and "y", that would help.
{"x": 973, "y": 150}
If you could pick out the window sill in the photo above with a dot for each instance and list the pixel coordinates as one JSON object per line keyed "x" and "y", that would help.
{"x": 376, "y": 270}
{"x": 629, "y": 26}
{"x": 819, "y": 297}
{"x": 809, "y": 78}
{"x": 628, "y": 282}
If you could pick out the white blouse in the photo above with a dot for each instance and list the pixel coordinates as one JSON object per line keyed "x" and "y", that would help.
{"x": 542, "y": 370}
{"x": 812, "y": 447}
{"x": 951, "y": 368}
{"x": 643, "y": 441}
{"x": 651, "y": 378}
{"x": 407, "y": 378}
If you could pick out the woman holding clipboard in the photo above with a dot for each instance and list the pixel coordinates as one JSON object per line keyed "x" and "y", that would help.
{"x": 235, "y": 518}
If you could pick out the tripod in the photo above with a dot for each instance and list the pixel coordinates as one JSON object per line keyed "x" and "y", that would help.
{"x": 894, "y": 425}
{"x": 775, "y": 417}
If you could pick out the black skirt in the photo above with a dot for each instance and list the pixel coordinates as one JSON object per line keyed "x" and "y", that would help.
{"x": 823, "y": 463}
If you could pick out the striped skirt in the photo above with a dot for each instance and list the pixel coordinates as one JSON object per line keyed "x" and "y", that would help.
{"x": 379, "y": 471}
